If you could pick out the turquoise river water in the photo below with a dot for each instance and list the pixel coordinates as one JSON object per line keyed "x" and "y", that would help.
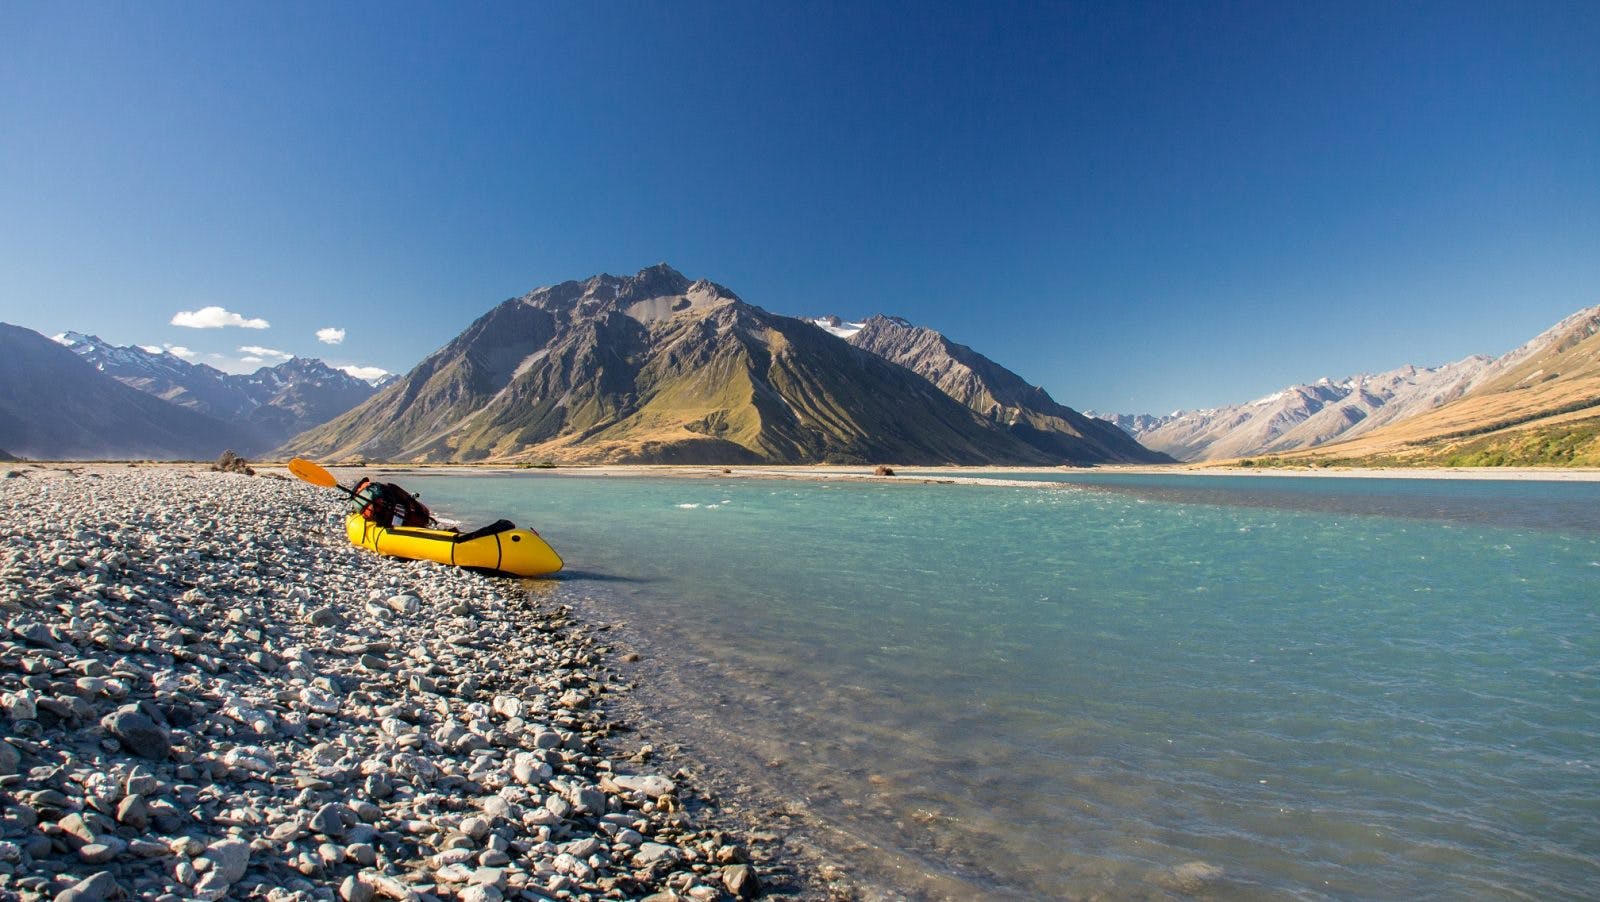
{"x": 1121, "y": 686}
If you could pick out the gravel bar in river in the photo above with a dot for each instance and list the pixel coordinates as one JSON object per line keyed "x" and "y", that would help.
{"x": 205, "y": 692}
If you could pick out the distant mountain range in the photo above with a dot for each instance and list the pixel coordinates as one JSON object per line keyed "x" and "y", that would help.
{"x": 660, "y": 369}
{"x": 273, "y": 403}
{"x": 81, "y": 397}
{"x": 1304, "y": 416}
{"x": 55, "y": 405}
{"x": 1411, "y": 414}
{"x": 656, "y": 368}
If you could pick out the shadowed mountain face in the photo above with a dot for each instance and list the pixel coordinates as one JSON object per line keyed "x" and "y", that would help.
{"x": 656, "y": 368}
{"x": 1000, "y": 395}
{"x": 272, "y": 404}
{"x": 54, "y": 405}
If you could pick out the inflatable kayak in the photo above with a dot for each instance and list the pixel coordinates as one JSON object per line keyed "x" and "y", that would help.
{"x": 499, "y": 548}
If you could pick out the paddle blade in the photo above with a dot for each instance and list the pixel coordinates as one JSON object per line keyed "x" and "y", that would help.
{"x": 312, "y": 473}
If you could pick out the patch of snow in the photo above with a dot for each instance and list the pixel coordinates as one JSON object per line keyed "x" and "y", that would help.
{"x": 835, "y": 326}
{"x": 368, "y": 374}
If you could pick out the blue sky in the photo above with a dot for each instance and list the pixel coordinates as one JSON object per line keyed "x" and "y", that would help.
{"x": 1138, "y": 206}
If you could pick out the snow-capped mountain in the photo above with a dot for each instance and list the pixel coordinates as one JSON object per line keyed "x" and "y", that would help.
{"x": 836, "y": 326}
{"x": 168, "y": 377}
{"x": 55, "y": 405}
{"x": 1305, "y": 416}
{"x": 273, "y": 403}
{"x": 1135, "y": 423}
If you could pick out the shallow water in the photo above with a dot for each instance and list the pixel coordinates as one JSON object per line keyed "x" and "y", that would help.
{"x": 1317, "y": 688}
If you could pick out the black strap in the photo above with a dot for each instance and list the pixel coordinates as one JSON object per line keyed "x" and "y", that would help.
{"x": 494, "y": 528}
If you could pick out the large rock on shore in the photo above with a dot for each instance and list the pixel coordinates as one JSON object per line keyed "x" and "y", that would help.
{"x": 206, "y": 693}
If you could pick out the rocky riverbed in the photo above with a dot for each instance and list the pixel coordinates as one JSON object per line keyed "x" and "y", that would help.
{"x": 205, "y": 692}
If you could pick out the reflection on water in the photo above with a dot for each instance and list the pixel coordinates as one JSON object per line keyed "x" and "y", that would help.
{"x": 1059, "y": 693}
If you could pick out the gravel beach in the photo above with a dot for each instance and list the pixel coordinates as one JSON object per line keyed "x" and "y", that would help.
{"x": 205, "y": 692}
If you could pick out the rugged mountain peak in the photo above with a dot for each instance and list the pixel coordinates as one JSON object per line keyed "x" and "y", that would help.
{"x": 305, "y": 371}
{"x": 121, "y": 360}
{"x": 1535, "y": 405}
{"x": 657, "y": 281}
{"x": 1308, "y": 415}
{"x": 1561, "y": 354}
{"x": 271, "y": 404}
{"x": 656, "y": 293}
{"x": 70, "y": 339}
{"x": 57, "y": 404}
{"x": 998, "y": 394}
{"x": 655, "y": 367}
{"x": 1562, "y": 336}
{"x": 883, "y": 320}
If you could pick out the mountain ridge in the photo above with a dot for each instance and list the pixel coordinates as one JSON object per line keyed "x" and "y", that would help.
{"x": 55, "y": 405}
{"x": 999, "y": 394}
{"x": 273, "y": 404}
{"x": 658, "y": 368}
{"x": 1369, "y": 414}
{"x": 1537, "y": 405}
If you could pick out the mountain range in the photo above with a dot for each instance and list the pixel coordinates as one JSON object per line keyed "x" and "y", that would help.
{"x": 273, "y": 403}
{"x": 1407, "y": 415}
{"x": 80, "y": 397}
{"x": 655, "y": 368}
{"x": 55, "y": 405}
{"x": 995, "y": 393}
{"x": 1304, "y": 416}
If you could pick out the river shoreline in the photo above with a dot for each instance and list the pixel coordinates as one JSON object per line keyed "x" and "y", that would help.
{"x": 207, "y": 693}
{"x": 978, "y": 474}
{"x": 989, "y": 475}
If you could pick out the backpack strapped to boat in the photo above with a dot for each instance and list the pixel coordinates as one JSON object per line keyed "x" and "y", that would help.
{"x": 386, "y": 504}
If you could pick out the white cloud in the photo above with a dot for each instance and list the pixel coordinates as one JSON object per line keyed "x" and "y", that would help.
{"x": 330, "y": 336}
{"x": 365, "y": 373}
{"x": 174, "y": 350}
{"x": 258, "y": 354}
{"x": 215, "y": 318}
